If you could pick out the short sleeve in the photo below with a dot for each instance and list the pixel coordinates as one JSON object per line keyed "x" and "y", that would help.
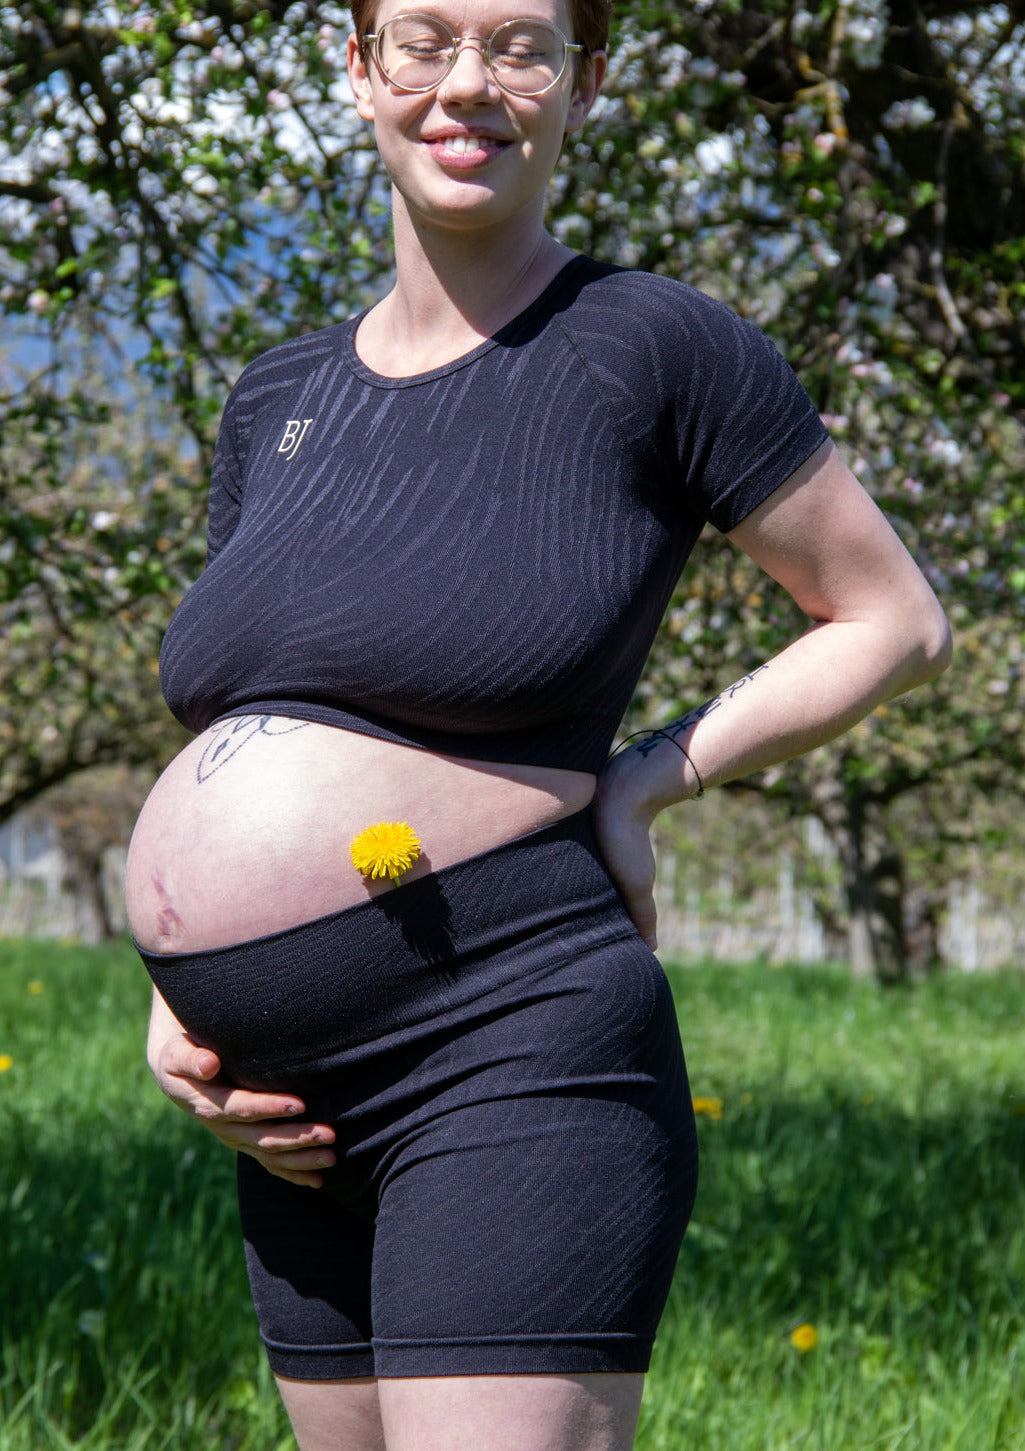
{"x": 741, "y": 421}
{"x": 709, "y": 408}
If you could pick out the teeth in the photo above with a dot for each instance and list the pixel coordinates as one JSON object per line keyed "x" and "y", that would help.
{"x": 462, "y": 144}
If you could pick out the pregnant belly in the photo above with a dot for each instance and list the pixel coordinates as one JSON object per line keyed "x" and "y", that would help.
{"x": 248, "y": 830}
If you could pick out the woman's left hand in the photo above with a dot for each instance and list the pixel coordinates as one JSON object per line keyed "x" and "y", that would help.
{"x": 622, "y": 825}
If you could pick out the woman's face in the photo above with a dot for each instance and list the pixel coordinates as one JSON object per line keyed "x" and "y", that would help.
{"x": 469, "y": 154}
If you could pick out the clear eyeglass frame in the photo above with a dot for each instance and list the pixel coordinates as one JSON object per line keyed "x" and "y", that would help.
{"x": 450, "y": 53}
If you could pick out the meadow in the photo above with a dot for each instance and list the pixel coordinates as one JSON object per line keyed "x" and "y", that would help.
{"x": 854, "y": 1277}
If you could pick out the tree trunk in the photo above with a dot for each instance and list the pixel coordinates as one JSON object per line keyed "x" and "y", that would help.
{"x": 923, "y": 912}
{"x": 84, "y": 881}
{"x": 873, "y": 881}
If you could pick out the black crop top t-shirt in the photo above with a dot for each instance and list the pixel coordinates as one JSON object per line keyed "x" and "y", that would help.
{"x": 476, "y": 560}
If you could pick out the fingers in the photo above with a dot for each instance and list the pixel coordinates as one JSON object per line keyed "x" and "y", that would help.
{"x": 310, "y": 1152}
{"x": 178, "y": 1057}
{"x": 639, "y": 900}
{"x": 246, "y": 1121}
{"x": 631, "y": 865}
{"x": 292, "y": 1151}
{"x": 292, "y": 1176}
{"x": 183, "y": 1059}
{"x": 222, "y": 1100}
{"x": 295, "y": 1152}
{"x": 188, "y": 1074}
{"x": 299, "y": 1166}
{"x": 306, "y": 1145}
{"x": 644, "y": 916}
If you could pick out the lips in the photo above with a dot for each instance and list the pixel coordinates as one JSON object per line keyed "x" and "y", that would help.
{"x": 462, "y": 149}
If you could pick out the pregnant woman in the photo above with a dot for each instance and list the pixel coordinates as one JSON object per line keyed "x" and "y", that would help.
{"x": 441, "y": 538}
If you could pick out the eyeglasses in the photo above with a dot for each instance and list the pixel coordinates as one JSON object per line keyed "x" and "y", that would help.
{"x": 416, "y": 53}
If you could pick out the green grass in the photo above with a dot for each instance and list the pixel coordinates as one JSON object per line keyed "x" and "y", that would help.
{"x": 866, "y": 1176}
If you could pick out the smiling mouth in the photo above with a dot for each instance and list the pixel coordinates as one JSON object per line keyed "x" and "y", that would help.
{"x": 467, "y": 148}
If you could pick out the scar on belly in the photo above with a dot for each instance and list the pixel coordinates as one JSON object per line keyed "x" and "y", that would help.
{"x": 169, "y": 923}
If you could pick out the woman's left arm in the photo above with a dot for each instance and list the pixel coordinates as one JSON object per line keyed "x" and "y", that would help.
{"x": 878, "y": 630}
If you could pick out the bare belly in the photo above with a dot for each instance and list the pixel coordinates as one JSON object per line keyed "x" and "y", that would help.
{"x": 248, "y": 830}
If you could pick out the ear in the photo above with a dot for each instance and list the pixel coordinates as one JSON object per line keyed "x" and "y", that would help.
{"x": 586, "y": 92}
{"x": 359, "y": 80}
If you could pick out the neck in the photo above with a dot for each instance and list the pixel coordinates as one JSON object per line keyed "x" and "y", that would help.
{"x": 452, "y": 284}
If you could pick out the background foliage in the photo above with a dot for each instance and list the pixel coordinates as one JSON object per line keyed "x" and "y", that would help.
{"x": 182, "y": 185}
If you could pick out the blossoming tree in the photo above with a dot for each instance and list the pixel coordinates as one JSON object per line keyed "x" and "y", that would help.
{"x": 180, "y": 187}
{"x": 850, "y": 175}
{"x": 183, "y": 184}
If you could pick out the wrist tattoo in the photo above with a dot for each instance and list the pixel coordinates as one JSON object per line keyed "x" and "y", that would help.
{"x": 699, "y": 712}
{"x": 654, "y": 734}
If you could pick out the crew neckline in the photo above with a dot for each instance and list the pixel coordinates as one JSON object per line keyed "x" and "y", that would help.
{"x": 381, "y": 380}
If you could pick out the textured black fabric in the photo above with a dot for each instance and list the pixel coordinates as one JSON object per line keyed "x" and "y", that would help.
{"x": 476, "y": 560}
{"x": 499, "y": 1055}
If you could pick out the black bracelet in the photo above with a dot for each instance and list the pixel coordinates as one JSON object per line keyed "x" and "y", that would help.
{"x": 656, "y": 731}
{"x": 697, "y": 774}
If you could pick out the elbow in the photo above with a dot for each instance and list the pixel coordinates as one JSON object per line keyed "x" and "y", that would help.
{"x": 933, "y": 648}
{"x": 944, "y": 650}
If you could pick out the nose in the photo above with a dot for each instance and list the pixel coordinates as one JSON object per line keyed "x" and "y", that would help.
{"x": 470, "y": 75}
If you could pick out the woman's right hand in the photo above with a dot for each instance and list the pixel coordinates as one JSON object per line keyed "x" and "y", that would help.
{"x": 243, "y": 1120}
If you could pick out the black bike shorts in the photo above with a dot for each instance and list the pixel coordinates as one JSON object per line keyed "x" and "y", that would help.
{"x": 498, "y": 1053}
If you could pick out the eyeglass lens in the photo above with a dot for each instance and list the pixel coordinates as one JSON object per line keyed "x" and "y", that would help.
{"x": 526, "y": 56}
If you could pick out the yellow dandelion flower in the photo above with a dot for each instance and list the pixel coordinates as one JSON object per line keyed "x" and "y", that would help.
{"x": 6, "y": 1061}
{"x": 386, "y": 849}
{"x": 804, "y": 1337}
{"x": 709, "y": 1107}
{"x": 747, "y": 1098}
{"x": 35, "y": 987}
